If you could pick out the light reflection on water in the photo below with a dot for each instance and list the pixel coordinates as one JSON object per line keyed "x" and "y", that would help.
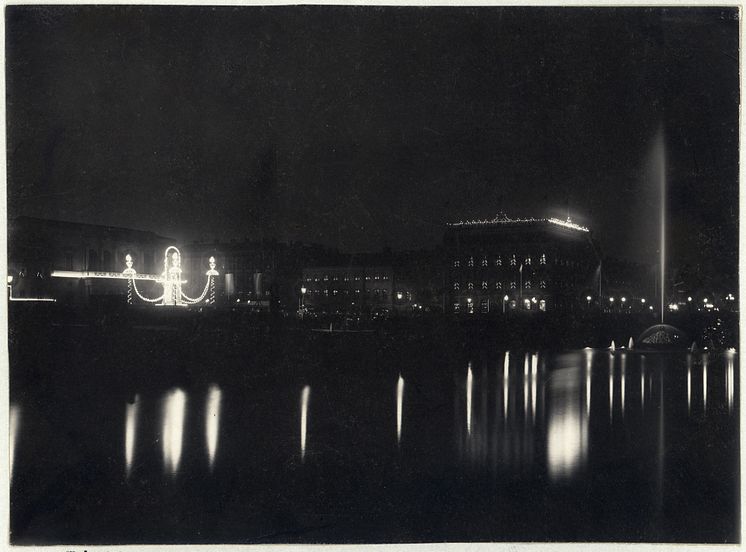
{"x": 130, "y": 431}
{"x": 305, "y": 394}
{"x": 174, "y": 407}
{"x": 556, "y": 410}
{"x": 212, "y": 422}
{"x": 14, "y": 422}
{"x": 399, "y": 406}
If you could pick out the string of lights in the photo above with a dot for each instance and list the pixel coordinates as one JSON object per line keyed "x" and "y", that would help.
{"x": 134, "y": 286}
{"x": 191, "y": 301}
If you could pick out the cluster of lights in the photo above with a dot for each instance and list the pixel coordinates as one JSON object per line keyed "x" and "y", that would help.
{"x": 505, "y": 220}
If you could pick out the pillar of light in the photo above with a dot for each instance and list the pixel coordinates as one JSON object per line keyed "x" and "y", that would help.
{"x": 534, "y": 366}
{"x": 704, "y": 382}
{"x": 14, "y": 423}
{"x": 642, "y": 383}
{"x": 506, "y": 378}
{"x": 174, "y": 408}
{"x": 212, "y": 422}
{"x": 729, "y": 384}
{"x": 688, "y": 383}
{"x": 588, "y": 370}
{"x": 624, "y": 380}
{"x": 399, "y": 406}
{"x": 525, "y": 385}
{"x": 469, "y": 383}
{"x": 567, "y": 425}
{"x": 130, "y": 431}
{"x": 304, "y": 419}
{"x": 611, "y": 387}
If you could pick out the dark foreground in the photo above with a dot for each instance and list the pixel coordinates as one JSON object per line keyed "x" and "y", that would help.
{"x": 193, "y": 432}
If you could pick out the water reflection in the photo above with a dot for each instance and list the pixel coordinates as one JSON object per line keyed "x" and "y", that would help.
{"x": 624, "y": 379}
{"x": 688, "y": 383}
{"x": 567, "y": 431}
{"x": 130, "y": 430}
{"x": 611, "y": 387}
{"x": 304, "y": 419}
{"x": 212, "y": 422}
{"x": 642, "y": 383}
{"x": 588, "y": 376}
{"x": 704, "y": 382}
{"x": 729, "y": 363}
{"x": 14, "y": 422}
{"x": 506, "y": 377}
{"x": 399, "y": 406}
{"x": 469, "y": 384}
{"x": 174, "y": 407}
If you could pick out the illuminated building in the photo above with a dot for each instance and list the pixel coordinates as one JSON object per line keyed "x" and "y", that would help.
{"x": 503, "y": 264}
{"x": 37, "y": 247}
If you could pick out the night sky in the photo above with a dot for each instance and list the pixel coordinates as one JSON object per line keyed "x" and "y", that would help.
{"x": 368, "y": 127}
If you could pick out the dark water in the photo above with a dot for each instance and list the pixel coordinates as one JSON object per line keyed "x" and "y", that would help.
{"x": 111, "y": 447}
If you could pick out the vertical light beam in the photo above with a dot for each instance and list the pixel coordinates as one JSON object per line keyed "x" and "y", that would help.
{"x": 704, "y": 382}
{"x": 729, "y": 375}
{"x": 611, "y": 387}
{"x": 174, "y": 407}
{"x": 506, "y": 381}
{"x": 212, "y": 422}
{"x": 624, "y": 380}
{"x": 534, "y": 369}
{"x": 469, "y": 383}
{"x": 304, "y": 419}
{"x": 525, "y": 386}
{"x": 14, "y": 423}
{"x": 130, "y": 431}
{"x": 399, "y": 406}
{"x": 642, "y": 383}
{"x": 588, "y": 369}
{"x": 689, "y": 383}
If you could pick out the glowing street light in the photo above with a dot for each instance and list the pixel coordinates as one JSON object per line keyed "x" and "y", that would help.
{"x": 399, "y": 295}
{"x": 505, "y": 298}
{"x": 643, "y": 300}
{"x": 689, "y": 299}
{"x": 611, "y": 299}
{"x": 624, "y": 299}
{"x": 303, "y": 291}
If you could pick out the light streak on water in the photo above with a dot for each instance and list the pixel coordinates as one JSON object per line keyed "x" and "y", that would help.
{"x": 624, "y": 379}
{"x": 525, "y": 386}
{"x": 729, "y": 383}
{"x": 567, "y": 425}
{"x": 14, "y": 423}
{"x": 534, "y": 366}
{"x": 689, "y": 383}
{"x": 506, "y": 381}
{"x": 642, "y": 383}
{"x": 212, "y": 421}
{"x": 469, "y": 384}
{"x": 304, "y": 396}
{"x": 399, "y": 406}
{"x": 588, "y": 369}
{"x": 174, "y": 407}
{"x": 130, "y": 431}
{"x": 704, "y": 382}
{"x": 611, "y": 387}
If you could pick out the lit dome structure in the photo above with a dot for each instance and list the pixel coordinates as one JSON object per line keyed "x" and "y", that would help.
{"x": 663, "y": 336}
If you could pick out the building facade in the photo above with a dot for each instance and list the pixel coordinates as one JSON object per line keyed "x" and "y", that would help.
{"x": 504, "y": 264}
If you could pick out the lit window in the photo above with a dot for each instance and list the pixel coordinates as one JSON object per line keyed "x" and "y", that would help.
{"x": 484, "y": 261}
{"x": 498, "y": 261}
{"x": 456, "y": 286}
{"x": 528, "y": 260}
{"x": 367, "y": 277}
{"x": 527, "y": 284}
{"x": 347, "y": 278}
{"x": 484, "y": 285}
{"x": 543, "y": 284}
{"x": 471, "y": 261}
{"x": 326, "y": 277}
{"x": 456, "y": 308}
{"x": 470, "y": 286}
{"x": 543, "y": 259}
{"x": 456, "y": 263}
{"x": 377, "y": 277}
{"x": 336, "y": 278}
{"x": 498, "y": 285}
{"x": 512, "y": 260}
{"x": 512, "y": 284}
{"x": 542, "y": 305}
{"x": 326, "y": 292}
{"x": 315, "y": 279}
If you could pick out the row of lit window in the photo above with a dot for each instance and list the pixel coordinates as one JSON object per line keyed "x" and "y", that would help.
{"x": 498, "y": 261}
{"x": 499, "y": 285}
{"x": 335, "y": 292}
{"x": 484, "y": 305}
{"x": 345, "y": 278}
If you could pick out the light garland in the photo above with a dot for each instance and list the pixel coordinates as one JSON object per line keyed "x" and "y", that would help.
{"x": 565, "y": 223}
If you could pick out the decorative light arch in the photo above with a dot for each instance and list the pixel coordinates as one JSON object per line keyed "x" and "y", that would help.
{"x": 171, "y": 281}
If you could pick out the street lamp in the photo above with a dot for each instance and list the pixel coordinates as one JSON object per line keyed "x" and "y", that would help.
{"x": 468, "y": 300}
{"x": 505, "y": 298}
{"x": 302, "y": 297}
{"x": 588, "y": 300}
{"x": 399, "y": 295}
